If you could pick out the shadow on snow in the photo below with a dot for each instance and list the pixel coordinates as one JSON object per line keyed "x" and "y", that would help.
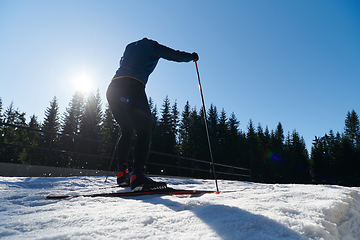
{"x": 231, "y": 222}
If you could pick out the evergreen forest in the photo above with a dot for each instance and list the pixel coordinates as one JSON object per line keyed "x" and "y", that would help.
{"x": 272, "y": 155}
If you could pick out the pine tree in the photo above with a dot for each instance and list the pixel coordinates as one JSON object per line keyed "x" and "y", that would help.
{"x": 326, "y": 159}
{"x": 92, "y": 117}
{"x": 71, "y": 126}
{"x": 193, "y": 139}
{"x": 13, "y": 135}
{"x": 213, "y": 128}
{"x": 277, "y": 148}
{"x": 167, "y": 138}
{"x": 73, "y": 114}
{"x": 279, "y": 136}
{"x": 269, "y": 160}
{"x": 235, "y": 147}
{"x": 175, "y": 125}
{"x": 352, "y": 127}
{"x": 252, "y": 148}
{"x": 184, "y": 135}
{"x": 184, "y": 129}
{"x": 299, "y": 160}
{"x": 349, "y": 163}
{"x": 200, "y": 131}
{"x": 223, "y": 139}
{"x": 331, "y": 152}
{"x": 336, "y": 159}
{"x": 52, "y": 121}
{"x": 350, "y": 150}
{"x": 33, "y": 156}
{"x": 90, "y": 128}
{"x": 175, "y": 132}
{"x": 198, "y": 140}
{"x": 51, "y": 124}
{"x": 318, "y": 159}
{"x": 263, "y": 147}
{"x": 166, "y": 128}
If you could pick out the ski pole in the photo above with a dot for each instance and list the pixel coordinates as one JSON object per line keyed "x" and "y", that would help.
{"x": 112, "y": 159}
{"x": 206, "y": 127}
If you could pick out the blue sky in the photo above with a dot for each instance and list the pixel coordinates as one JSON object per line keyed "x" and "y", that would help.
{"x": 294, "y": 62}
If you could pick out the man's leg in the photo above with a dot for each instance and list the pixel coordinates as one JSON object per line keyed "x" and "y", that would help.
{"x": 142, "y": 120}
{"x": 120, "y": 111}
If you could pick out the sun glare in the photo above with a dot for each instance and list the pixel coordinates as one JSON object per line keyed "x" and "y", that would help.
{"x": 83, "y": 82}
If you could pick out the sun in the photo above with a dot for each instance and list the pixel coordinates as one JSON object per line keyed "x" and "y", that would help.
{"x": 83, "y": 82}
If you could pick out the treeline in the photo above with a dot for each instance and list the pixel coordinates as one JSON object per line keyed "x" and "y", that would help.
{"x": 83, "y": 118}
{"x": 265, "y": 152}
{"x": 336, "y": 157}
{"x": 272, "y": 155}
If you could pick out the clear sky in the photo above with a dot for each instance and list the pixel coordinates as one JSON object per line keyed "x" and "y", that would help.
{"x": 294, "y": 62}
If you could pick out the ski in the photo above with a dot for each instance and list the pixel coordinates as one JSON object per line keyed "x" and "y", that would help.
{"x": 168, "y": 191}
{"x": 115, "y": 186}
{"x": 99, "y": 188}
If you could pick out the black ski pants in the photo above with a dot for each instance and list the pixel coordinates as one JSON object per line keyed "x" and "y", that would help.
{"x": 129, "y": 104}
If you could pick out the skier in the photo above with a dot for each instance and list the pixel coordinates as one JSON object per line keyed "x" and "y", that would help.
{"x": 129, "y": 104}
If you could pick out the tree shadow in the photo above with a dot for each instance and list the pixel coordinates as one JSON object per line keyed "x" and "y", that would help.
{"x": 231, "y": 222}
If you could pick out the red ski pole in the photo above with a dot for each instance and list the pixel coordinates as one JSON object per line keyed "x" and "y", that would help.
{"x": 206, "y": 127}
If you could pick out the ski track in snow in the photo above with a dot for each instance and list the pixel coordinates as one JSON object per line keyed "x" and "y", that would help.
{"x": 262, "y": 211}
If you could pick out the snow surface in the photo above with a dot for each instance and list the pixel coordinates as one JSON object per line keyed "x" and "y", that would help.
{"x": 262, "y": 211}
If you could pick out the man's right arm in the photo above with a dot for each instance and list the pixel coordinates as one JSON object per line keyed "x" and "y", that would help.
{"x": 174, "y": 55}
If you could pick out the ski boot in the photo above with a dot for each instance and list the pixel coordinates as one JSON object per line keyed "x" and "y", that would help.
{"x": 123, "y": 176}
{"x": 140, "y": 182}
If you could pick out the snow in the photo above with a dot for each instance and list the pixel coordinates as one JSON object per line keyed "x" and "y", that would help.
{"x": 262, "y": 211}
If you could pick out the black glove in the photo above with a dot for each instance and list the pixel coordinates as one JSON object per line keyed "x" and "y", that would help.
{"x": 195, "y": 56}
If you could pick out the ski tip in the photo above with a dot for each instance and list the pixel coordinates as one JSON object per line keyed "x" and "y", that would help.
{"x": 105, "y": 181}
{"x": 217, "y": 192}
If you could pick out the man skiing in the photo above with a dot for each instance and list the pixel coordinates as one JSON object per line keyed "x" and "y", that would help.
{"x": 129, "y": 104}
